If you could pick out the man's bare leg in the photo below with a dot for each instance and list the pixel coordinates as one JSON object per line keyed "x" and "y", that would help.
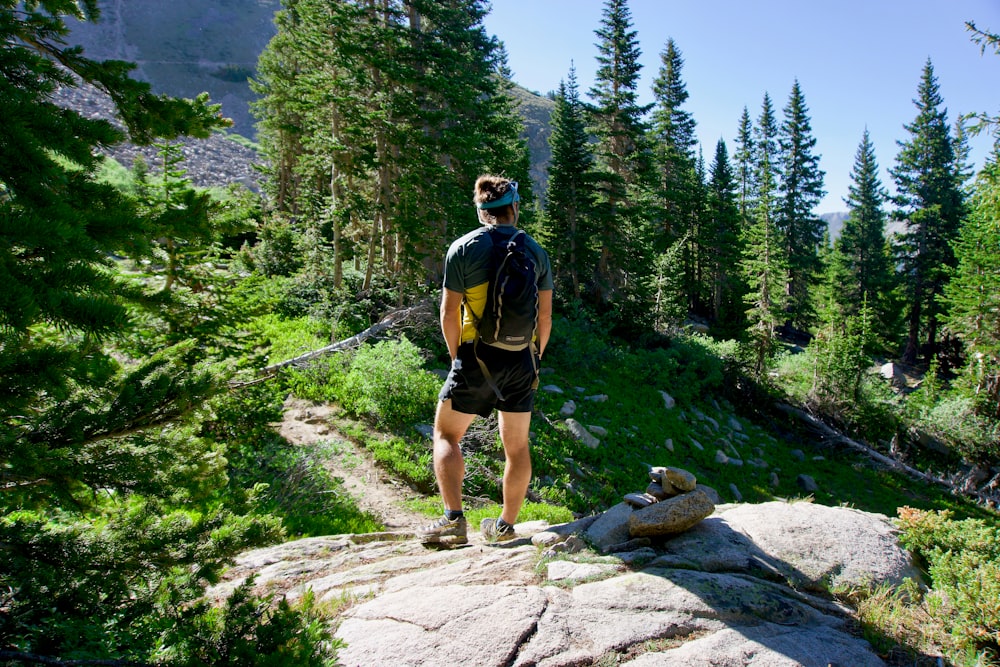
{"x": 449, "y": 465}
{"x": 514, "y": 427}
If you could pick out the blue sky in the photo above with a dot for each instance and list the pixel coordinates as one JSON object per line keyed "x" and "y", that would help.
{"x": 858, "y": 63}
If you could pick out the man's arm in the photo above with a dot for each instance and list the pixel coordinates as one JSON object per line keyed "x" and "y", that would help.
{"x": 544, "y": 319}
{"x": 451, "y": 320}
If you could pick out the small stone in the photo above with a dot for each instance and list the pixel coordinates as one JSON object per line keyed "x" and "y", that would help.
{"x": 712, "y": 494}
{"x": 697, "y": 445}
{"x": 597, "y": 398}
{"x": 552, "y": 389}
{"x": 807, "y": 483}
{"x": 668, "y": 400}
{"x": 568, "y": 408}
{"x": 658, "y": 492}
{"x": 669, "y": 444}
{"x": 546, "y": 538}
{"x": 680, "y": 479}
{"x": 582, "y": 434}
{"x": 720, "y": 457}
{"x": 599, "y": 431}
{"x": 639, "y": 500}
{"x": 735, "y": 424}
{"x": 735, "y": 462}
{"x": 798, "y": 454}
{"x": 736, "y": 492}
{"x": 774, "y": 480}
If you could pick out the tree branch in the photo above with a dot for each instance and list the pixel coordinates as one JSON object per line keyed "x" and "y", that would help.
{"x": 832, "y": 435}
{"x": 387, "y": 322}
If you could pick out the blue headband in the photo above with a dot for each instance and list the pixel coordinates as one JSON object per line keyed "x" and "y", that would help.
{"x": 508, "y": 198}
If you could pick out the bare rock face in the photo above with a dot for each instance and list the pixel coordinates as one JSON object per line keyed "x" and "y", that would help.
{"x": 670, "y": 516}
{"x": 714, "y": 594}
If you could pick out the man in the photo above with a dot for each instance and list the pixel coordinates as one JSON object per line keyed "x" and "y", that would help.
{"x": 510, "y": 378}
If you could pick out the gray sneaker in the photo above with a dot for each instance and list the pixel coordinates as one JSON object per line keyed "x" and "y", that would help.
{"x": 445, "y": 531}
{"x": 494, "y": 532}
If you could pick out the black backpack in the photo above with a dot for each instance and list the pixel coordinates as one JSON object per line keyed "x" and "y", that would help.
{"x": 510, "y": 316}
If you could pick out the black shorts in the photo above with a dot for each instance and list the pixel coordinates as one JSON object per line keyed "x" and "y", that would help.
{"x": 515, "y": 374}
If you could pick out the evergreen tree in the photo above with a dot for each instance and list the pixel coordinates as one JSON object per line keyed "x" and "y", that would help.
{"x": 972, "y": 296}
{"x": 105, "y": 527}
{"x": 569, "y": 204}
{"x": 395, "y": 108}
{"x": 930, "y": 202}
{"x": 763, "y": 263}
{"x": 679, "y": 186}
{"x": 801, "y": 188}
{"x": 862, "y": 248}
{"x": 744, "y": 165}
{"x": 723, "y": 248}
{"x": 623, "y": 162}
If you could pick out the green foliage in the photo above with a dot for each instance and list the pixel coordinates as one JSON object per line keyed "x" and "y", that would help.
{"x": 410, "y": 459}
{"x": 289, "y": 338}
{"x": 973, "y": 294}
{"x": 841, "y": 361}
{"x": 249, "y": 631}
{"x": 94, "y": 585}
{"x": 387, "y": 384}
{"x": 964, "y": 565}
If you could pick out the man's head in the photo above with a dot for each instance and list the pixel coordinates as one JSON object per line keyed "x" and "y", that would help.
{"x": 497, "y": 200}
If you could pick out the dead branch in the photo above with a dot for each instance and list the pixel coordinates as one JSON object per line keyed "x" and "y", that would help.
{"x": 830, "y": 434}
{"x": 390, "y": 320}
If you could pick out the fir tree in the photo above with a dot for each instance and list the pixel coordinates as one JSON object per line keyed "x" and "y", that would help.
{"x": 98, "y": 452}
{"x": 679, "y": 186}
{"x": 569, "y": 204}
{"x": 930, "y": 202}
{"x": 862, "y": 250}
{"x": 801, "y": 188}
{"x": 723, "y": 246}
{"x": 744, "y": 164}
{"x": 623, "y": 161}
{"x": 763, "y": 261}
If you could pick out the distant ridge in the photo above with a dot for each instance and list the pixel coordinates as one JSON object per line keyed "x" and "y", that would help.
{"x": 834, "y": 222}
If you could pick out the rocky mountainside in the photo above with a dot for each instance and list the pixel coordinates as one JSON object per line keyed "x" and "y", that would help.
{"x": 748, "y": 584}
{"x": 186, "y": 47}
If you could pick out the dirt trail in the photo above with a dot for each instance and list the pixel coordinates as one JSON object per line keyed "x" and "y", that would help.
{"x": 373, "y": 490}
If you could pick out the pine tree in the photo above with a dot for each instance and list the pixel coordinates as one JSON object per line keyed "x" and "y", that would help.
{"x": 394, "y": 109}
{"x": 801, "y": 187}
{"x": 623, "y": 161}
{"x": 930, "y": 202}
{"x": 972, "y": 297}
{"x": 763, "y": 264}
{"x": 570, "y": 198}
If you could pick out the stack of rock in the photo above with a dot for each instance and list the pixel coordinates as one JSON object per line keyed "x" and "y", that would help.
{"x": 671, "y": 504}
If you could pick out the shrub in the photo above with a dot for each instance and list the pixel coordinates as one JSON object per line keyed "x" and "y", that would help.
{"x": 387, "y": 384}
{"x": 964, "y": 565}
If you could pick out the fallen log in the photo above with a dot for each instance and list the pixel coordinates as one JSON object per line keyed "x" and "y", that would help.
{"x": 830, "y": 434}
{"x": 390, "y": 320}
